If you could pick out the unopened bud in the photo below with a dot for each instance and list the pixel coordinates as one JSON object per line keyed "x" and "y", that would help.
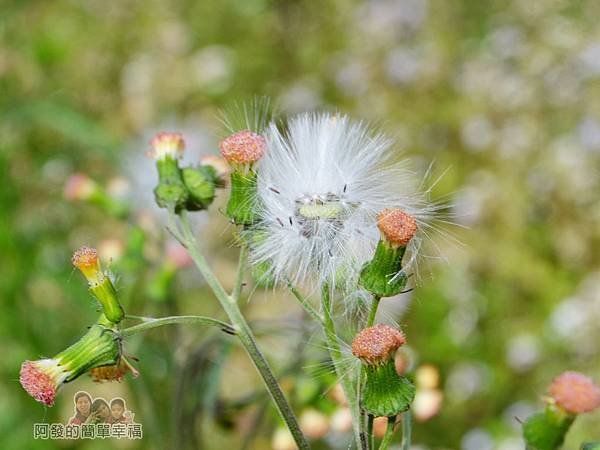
{"x": 100, "y": 285}
{"x": 385, "y": 393}
{"x": 383, "y": 275}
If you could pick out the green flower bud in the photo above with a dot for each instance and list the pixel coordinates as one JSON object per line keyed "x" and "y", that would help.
{"x": 242, "y": 150}
{"x": 547, "y": 430}
{"x": 171, "y": 192}
{"x": 200, "y": 183}
{"x": 243, "y": 206}
{"x": 87, "y": 261}
{"x": 385, "y": 393}
{"x": 383, "y": 275}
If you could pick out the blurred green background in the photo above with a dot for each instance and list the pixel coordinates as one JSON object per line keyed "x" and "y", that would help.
{"x": 503, "y": 97}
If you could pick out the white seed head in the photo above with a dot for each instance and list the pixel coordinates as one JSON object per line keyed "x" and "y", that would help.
{"x": 321, "y": 184}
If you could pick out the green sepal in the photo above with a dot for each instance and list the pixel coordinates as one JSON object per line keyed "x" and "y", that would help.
{"x": 106, "y": 294}
{"x": 170, "y": 192}
{"x": 100, "y": 346}
{"x": 200, "y": 183}
{"x": 385, "y": 392}
{"x": 243, "y": 206}
{"x": 546, "y": 430}
{"x": 383, "y": 276}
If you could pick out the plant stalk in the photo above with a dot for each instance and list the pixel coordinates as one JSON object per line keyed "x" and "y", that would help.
{"x": 336, "y": 358}
{"x": 244, "y": 333}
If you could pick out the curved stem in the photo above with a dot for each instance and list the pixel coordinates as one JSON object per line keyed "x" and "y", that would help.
{"x": 244, "y": 333}
{"x": 389, "y": 433}
{"x": 406, "y": 430}
{"x": 336, "y": 357}
{"x": 149, "y": 323}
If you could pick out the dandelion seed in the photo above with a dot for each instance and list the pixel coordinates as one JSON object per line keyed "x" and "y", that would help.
{"x": 333, "y": 177}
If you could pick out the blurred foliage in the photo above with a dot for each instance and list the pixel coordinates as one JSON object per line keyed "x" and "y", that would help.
{"x": 503, "y": 96}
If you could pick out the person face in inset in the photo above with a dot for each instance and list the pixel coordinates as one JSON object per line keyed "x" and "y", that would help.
{"x": 117, "y": 409}
{"x": 103, "y": 412}
{"x": 83, "y": 405}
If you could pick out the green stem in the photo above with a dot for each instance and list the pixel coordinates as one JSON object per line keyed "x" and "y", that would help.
{"x": 373, "y": 311}
{"x": 305, "y": 304}
{"x": 244, "y": 334}
{"x": 239, "y": 279}
{"x": 389, "y": 433}
{"x": 149, "y": 323}
{"x": 361, "y": 374}
{"x": 336, "y": 358}
{"x": 406, "y": 430}
{"x": 370, "y": 421}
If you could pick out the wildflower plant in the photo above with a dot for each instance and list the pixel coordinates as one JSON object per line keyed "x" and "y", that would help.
{"x": 322, "y": 206}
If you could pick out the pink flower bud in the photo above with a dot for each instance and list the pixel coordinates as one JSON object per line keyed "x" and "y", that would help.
{"x": 575, "y": 393}
{"x": 244, "y": 147}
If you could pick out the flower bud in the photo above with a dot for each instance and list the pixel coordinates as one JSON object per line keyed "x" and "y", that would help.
{"x": 43, "y": 379}
{"x": 87, "y": 261}
{"x": 571, "y": 393}
{"x": 385, "y": 392}
{"x": 241, "y": 150}
{"x": 171, "y": 192}
{"x": 546, "y": 430}
{"x": 383, "y": 275}
{"x": 200, "y": 183}
{"x": 575, "y": 393}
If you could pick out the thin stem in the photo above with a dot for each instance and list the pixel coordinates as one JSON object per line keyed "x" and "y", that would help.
{"x": 406, "y": 430}
{"x": 305, "y": 304}
{"x": 370, "y": 421}
{"x": 336, "y": 358}
{"x": 239, "y": 279}
{"x": 373, "y": 311}
{"x": 361, "y": 374}
{"x": 149, "y": 323}
{"x": 244, "y": 334}
{"x": 389, "y": 433}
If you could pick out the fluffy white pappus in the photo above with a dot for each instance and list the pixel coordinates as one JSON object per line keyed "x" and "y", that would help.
{"x": 322, "y": 182}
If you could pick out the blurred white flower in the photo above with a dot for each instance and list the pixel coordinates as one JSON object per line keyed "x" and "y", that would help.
{"x": 477, "y": 439}
{"x": 523, "y": 352}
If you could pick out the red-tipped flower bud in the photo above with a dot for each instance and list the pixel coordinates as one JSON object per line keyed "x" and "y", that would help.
{"x": 87, "y": 261}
